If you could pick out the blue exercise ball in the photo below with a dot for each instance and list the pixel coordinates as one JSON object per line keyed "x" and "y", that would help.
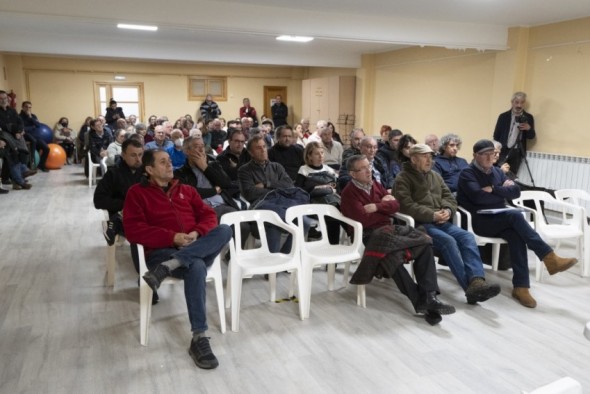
{"x": 44, "y": 133}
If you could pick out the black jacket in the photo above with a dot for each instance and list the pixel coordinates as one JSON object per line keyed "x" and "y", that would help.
{"x": 112, "y": 188}
{"x": 231, "y": 163}
{"x": 215, "y": 174}
{"x": 290, "y": 157}
{"x": 502, "y": 131}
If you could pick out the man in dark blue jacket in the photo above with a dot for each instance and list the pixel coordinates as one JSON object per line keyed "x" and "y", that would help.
{"x": 484, "y": 186}
{"x": 31, "y": 123}
{"x": 447, "y": 164}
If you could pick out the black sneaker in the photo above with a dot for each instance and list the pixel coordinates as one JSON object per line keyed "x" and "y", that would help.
{"x": 154, "y": 278}
{"x": 479, "y": 291}
{"x": 3, "y": 191}
{"x": 201, "y": 353}
{"x": 109, "y": 232}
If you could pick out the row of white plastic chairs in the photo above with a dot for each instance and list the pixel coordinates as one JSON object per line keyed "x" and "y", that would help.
{"x": 304, "y": 256}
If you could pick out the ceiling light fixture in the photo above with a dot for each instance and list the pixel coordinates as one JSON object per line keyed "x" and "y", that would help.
{"x": 137, "y": 27}
{"x": 295, "y": 38}
{"x": 120, "y": 77}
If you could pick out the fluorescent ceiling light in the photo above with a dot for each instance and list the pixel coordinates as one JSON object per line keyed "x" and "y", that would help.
{"x": 120, "y": 77}
{"x": 137, "y": 27}
{"x": 295, "y": 38}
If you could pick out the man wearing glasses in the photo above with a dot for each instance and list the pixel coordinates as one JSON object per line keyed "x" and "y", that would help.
{"x": 234, "y": 156}
{"x": 367, "y": 202}
{"x": 484, "y": 186}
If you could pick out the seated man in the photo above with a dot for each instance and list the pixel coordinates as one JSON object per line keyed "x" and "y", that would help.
{"x": 160, "y": 141}
{"x": 180, "y": 236}
{"x": 367, "y": 202}
{"x": 447, "y": 164}
{"x": 98, "y": 142}
{"x": 115, "y": 147}
{"x": 15, "y": 150}
{"x": 286, "y": 152}
{"x": 234, "y": 156}
{"x": 112, "y": 188}
{"x": 31, "y": 123}
{"x": 423, "y": 195}
{"x": 433, "y": 142}
{"x": 261, "y": 181}
{"x": 483, "y": 186}
{"x": 356, "y": 135}
{"x": 389, "y": 151}
{"x": 379, "y": 168}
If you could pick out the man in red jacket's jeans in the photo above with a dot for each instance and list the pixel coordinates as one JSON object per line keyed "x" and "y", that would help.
{"x": 180, "y": 236}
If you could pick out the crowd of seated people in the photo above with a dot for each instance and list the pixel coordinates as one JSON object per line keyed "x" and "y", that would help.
{"x": 233, "y": 166}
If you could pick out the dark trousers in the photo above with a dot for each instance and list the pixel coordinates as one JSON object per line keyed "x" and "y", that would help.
{"x": 513, "y": 227}
{"x": 424, "y": 271}
{"x": 37, "y": 144}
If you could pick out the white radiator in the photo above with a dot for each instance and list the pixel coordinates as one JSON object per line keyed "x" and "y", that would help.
{"x": 556, "y": 171}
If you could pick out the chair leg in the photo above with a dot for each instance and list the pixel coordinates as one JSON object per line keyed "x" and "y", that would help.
{"x": 215, "y": 274}
{"x": 303, "y": 291}
{"x": 145, "y": 307}
{"x": 272, "y": 281}
{"x": 228, "y": 287}
{"x": 495, "y": 256}
{"x": 539, "y": 269}
{"x": 236, "y": 294}
{"x": 586, "y": 261}
{"x": 361, "y": 296}
{"x": 111, "y": 264}
{"x": 331, "y": 276}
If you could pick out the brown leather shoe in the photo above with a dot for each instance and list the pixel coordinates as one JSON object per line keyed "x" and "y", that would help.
{"x": 524, "y": 297}
{"x": 556, "y": 264}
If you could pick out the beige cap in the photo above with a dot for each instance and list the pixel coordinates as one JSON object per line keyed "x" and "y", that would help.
{"x": 419, "y": 149}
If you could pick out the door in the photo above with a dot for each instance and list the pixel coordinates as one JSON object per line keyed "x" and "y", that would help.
{"x": 270, "y": 92}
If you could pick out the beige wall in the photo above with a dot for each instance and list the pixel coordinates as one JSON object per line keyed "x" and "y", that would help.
{"x": 436, "y": 90}
{"x": 65, "y": 86}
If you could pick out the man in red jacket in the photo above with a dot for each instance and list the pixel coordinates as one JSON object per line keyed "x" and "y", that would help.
{"x": 367, "y": 202}
{"x": 180, "y": 236}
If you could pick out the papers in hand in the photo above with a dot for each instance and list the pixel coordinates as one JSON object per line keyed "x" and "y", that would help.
{"x": 494, "y": 211}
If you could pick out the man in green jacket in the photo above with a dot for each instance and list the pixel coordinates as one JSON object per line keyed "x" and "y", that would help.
{"x": 423, "y": 195}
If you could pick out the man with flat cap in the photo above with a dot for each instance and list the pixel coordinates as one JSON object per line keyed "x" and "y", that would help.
{"x": 484, "y": 186}
{"x": 423, "y": 194}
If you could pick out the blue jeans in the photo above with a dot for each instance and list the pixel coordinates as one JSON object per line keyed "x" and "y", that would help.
{"x": 17, "y": 171}
{"x": 459, "y": 250}
{"x": 513, "y": 227}
{"x": 194, "y": 258}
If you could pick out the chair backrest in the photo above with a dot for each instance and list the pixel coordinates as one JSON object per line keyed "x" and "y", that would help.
{"x": 259, "y": 216}
{"x": 321, "y": 211}
{"x": 578, "y": 197}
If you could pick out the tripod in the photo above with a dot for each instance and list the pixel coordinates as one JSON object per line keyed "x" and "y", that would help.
{"x": 518, "y": 149}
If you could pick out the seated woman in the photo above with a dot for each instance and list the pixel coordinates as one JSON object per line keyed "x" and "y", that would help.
{"x": 115, "y": 148}
{"x": 403, "y": 149}
{"x": 64, "y": 136}
{"x": 319, "y": 180}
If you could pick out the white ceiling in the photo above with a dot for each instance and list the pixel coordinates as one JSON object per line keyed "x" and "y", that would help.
{"x": 244, "y": 31}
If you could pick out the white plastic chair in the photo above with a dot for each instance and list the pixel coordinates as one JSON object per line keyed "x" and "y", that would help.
{"x": 480, "y": 240}
{"x": 93, "y": 167}
{"x": 579, "y": 197}
{"x": 553, "y": 233}
{"x": 145, "y": 294}
{"x": 321, "y": 252}
{"x": 247, "y": 262}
